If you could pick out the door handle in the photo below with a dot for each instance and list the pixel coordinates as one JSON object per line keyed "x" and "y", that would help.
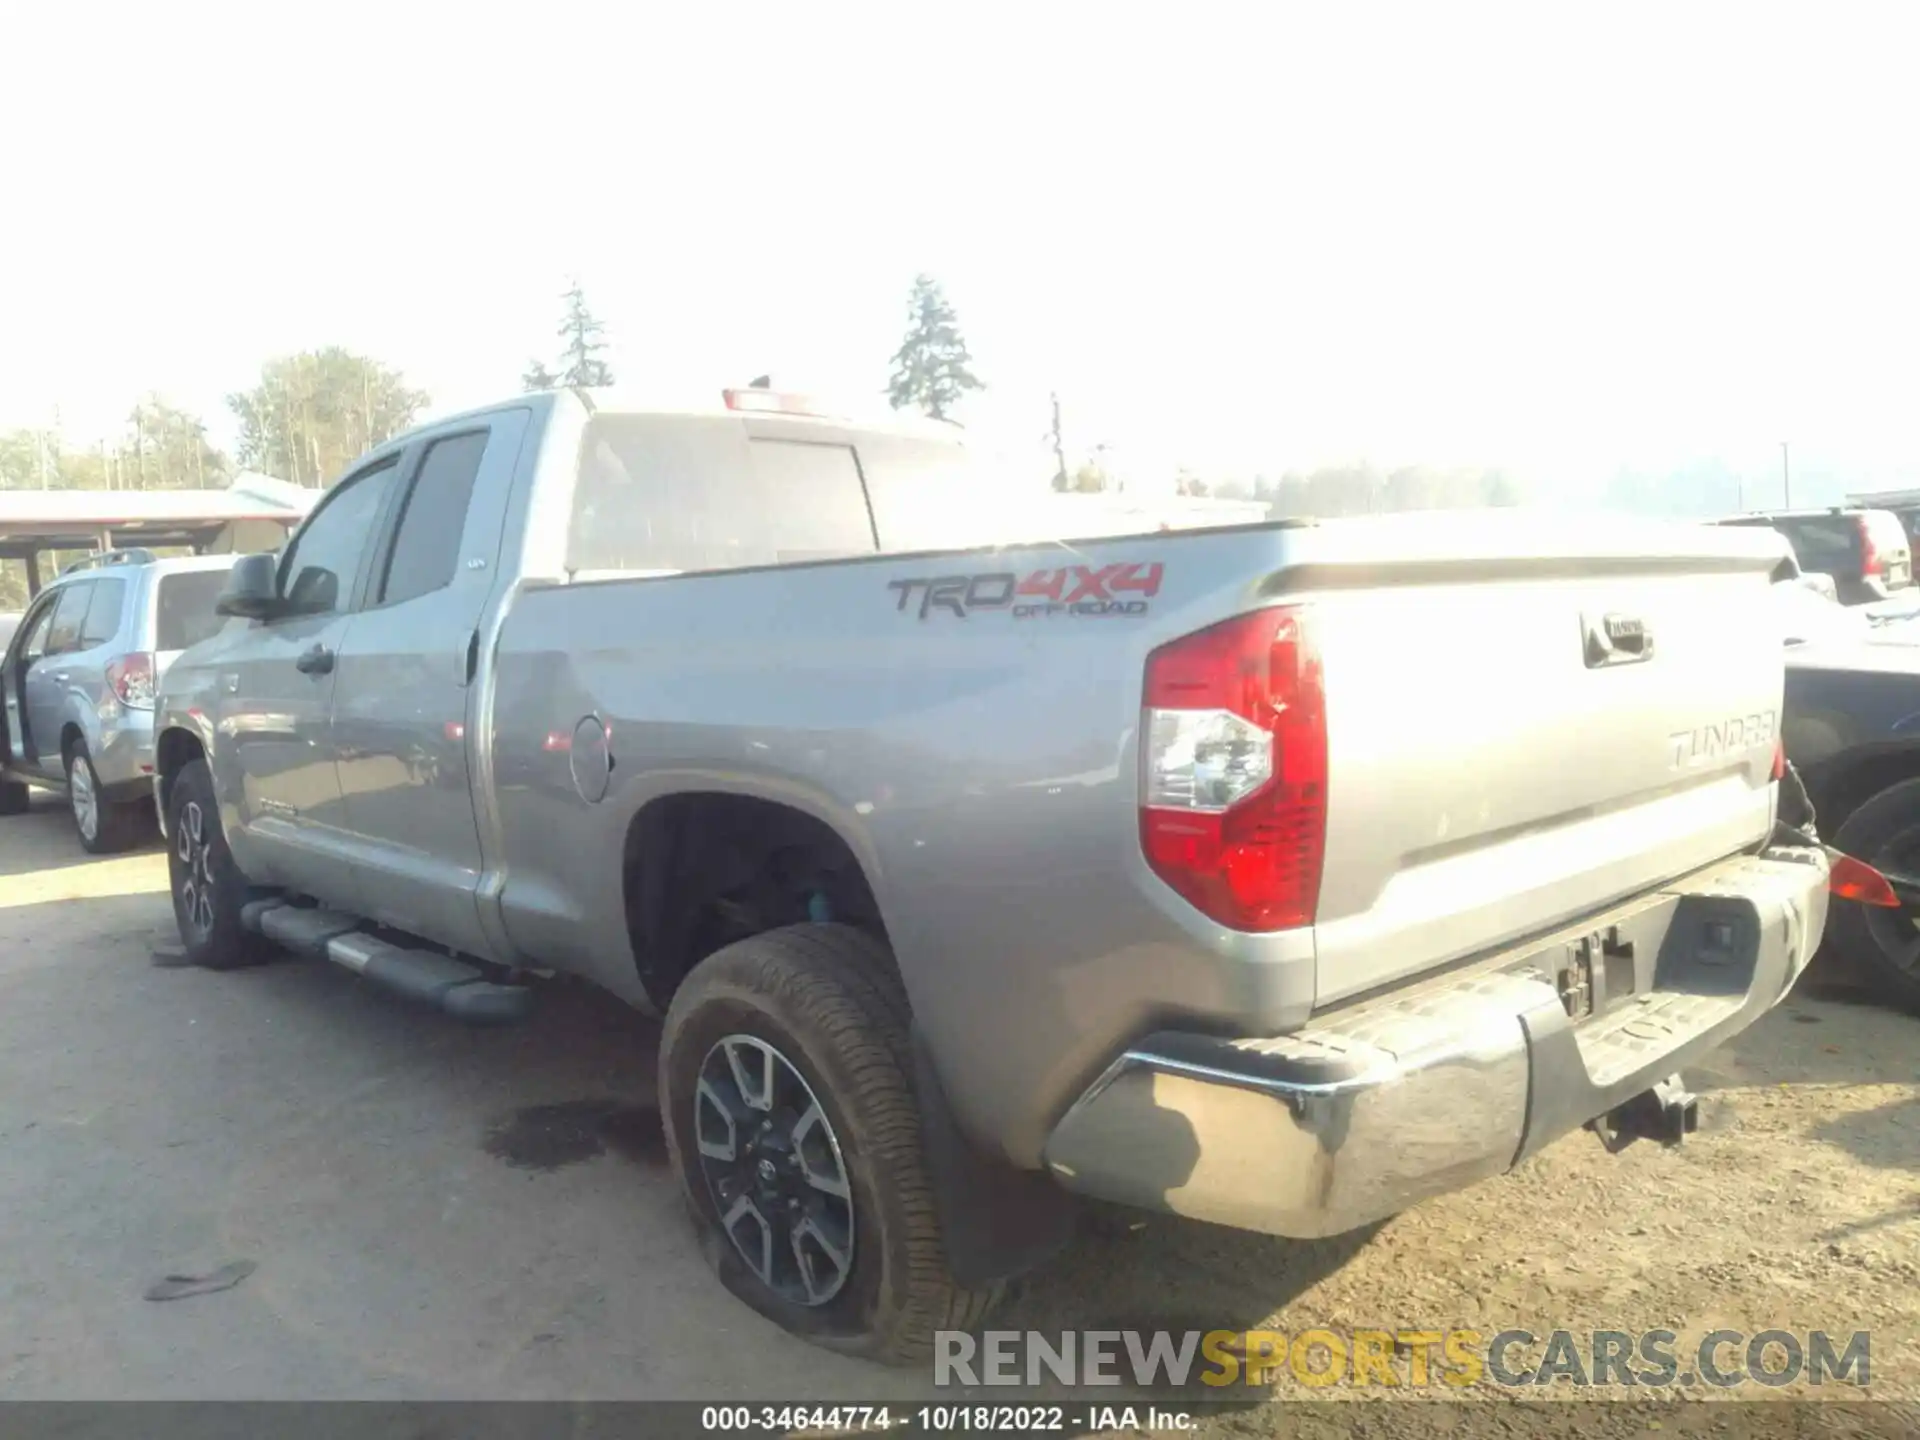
{"x": 60, "y": 677}
{"x": 317, "y": 661}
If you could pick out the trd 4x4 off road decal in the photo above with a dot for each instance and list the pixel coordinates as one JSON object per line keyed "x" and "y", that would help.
{"x": 1122, "y": 589}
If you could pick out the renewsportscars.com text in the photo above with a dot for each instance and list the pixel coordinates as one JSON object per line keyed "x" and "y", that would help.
{"x": 1402, "y": 1358}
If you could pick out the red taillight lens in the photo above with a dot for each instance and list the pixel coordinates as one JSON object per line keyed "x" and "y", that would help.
{"x": 1780, "y": 760}
{"x": 1233, "y": 783}
{"x": 132, "y": 677}
{"x": 1853, "y": 879}
{"x": 1869, "y": 555}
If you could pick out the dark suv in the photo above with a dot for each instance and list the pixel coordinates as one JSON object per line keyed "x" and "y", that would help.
{"x": 1865, "y": 551}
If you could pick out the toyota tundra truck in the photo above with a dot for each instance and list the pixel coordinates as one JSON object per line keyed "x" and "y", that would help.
{"x": 1280, "y": 875}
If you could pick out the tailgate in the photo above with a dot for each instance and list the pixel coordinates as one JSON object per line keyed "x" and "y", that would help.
{"x": 1519, "y": 739}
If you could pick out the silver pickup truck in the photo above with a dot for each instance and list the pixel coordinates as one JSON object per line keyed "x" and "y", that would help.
{"x": 1279, "y": 875}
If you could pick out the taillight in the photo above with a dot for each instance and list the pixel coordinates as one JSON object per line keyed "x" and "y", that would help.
{"x": 1869, "y": 556}
{"x": 1233, "y": 781}
{"x": 132, "y": 680}
{"x": 1853, "y": 879}
{"x": 1780, "y": 760}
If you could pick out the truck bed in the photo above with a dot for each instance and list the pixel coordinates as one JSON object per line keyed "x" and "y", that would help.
{"x": 1502, "y": 759}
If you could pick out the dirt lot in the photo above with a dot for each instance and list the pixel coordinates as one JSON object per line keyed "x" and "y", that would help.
{"x": 425, "y": 1226}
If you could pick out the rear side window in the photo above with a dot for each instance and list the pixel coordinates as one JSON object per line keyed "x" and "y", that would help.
{"x": 427, "y": 545}
{"x": 690, "y": 495}
{"x": 1827, "y": 543}
{"x": 183, "y": 608}
{"x": 103, "y": 615}
{"x": 69, "y": 616}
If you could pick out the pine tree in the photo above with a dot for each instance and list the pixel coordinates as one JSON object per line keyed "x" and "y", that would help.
{"x": 538, "y": 377}
{"x": 930, "y": 369}
{"x": 582, "y": 334}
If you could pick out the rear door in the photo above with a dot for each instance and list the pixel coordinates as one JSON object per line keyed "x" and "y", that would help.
{"x": 98, "y": 647}
{"x": 403, "y": 708}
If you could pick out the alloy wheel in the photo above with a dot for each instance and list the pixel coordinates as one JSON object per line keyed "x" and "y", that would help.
{"x": 194, "y": 846}
{"x": 80, "y": 791}
{"x": 775, "y": 1168}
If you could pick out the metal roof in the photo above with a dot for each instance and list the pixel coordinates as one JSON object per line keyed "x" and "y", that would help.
{"x": 75, "y": 519}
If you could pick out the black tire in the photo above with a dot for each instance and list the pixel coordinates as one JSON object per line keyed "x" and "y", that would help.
{"x": 104, "y": 826}
{"x": 15, "y": 798}
{"x": 1884, "y": 832}
{"x": 824, "y": 997}
{"x": 208, "y": 889}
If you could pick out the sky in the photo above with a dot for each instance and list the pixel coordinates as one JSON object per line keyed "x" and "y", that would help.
{"x": 1237, "y": 238}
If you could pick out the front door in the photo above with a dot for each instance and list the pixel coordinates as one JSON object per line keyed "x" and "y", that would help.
{"x": 49, "y": 682}
{"x": 402, "y": 714}
{"x": 276, "y": 695}
{"x": 29, "y": 646}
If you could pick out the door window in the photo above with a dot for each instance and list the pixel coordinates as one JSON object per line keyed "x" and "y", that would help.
{"x": 427, "y": 546}
{"x": 69, "y": 617}
{"x": 103, "y": 615}
{"x": 33, "y": 643}
{"x": 323, "y": 563}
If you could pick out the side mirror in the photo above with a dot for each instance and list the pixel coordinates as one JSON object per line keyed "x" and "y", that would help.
{"x": 252, "y": 590}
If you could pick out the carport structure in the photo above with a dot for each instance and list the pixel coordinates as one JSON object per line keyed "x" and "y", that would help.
{"x": 255, "y": 512}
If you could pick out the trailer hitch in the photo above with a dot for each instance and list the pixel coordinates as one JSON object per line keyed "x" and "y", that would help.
{"x": 1668, "y": 1112}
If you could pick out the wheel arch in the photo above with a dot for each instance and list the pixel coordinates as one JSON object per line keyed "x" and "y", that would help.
{"x": 1844, "y": 784}
{"x": 175, "y": 748}
{"x": 703, "y": 866}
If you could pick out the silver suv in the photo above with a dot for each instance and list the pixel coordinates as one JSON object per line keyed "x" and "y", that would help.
{"x": 80, "y": 676}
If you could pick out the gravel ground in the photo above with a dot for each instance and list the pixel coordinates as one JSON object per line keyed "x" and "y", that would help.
{"x": 439, "y": 1213}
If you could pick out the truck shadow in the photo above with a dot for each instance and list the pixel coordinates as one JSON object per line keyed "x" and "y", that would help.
{"x": 1131, "y": 1271}
{"x": 1834, "y": 1034}
{"x": 575, "y": 1083}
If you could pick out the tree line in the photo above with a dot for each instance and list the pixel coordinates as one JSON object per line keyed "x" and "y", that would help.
{"x": 933, "y": 372}
{"x": 305, "y": 419}
{"x": 309, "y": 415}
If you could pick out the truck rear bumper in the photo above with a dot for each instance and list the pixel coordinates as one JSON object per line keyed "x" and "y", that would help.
{"x": 1435, "y": 1085}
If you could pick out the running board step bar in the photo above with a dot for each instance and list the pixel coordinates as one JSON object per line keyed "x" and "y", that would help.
{"x": 450, "y": 986}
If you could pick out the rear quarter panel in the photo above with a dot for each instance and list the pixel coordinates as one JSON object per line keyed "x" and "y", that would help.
{"x": 982, "y": 768}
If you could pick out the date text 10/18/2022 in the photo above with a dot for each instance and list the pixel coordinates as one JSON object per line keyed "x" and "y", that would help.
{"x": 940, "y": 1419}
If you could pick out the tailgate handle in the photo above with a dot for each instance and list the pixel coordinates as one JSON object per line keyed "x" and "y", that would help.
{"x": 1616, "y": 639}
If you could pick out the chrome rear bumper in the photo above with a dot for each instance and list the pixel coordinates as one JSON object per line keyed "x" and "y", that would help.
{"x": 1446, "y": 1081}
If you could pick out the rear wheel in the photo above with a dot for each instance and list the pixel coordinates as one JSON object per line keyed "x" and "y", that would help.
{"x": 103, "y": 825}
{"x": 790, "y": 1118}
{"x": 1885, "y": 832}
{"x": 208, "y": 888}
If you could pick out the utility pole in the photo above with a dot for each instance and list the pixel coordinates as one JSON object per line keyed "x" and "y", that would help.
{"x": 1060, "y": 480}
{"x": 1786, "y": 478}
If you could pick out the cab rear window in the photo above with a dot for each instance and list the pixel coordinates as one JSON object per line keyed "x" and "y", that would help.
{"x": 676, "y": 494}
